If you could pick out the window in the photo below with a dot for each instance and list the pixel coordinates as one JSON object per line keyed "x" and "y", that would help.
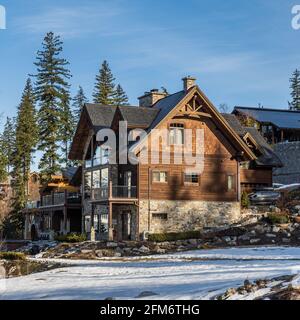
{"x": 160, "y": 216}
{"x": 104, "y": 178}
{"x": 176, "y": 135}
{"x": 230, "y": 183}
{"x": 160, "y": 176}
{"x": 101, "y": 156}
{"x": 191, "y": 178}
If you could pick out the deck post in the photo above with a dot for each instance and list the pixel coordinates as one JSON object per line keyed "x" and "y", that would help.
{"x": 65, "y": 231}
{"x": 110, "y": 225}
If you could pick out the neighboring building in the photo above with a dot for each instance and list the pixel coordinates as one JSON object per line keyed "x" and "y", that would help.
{"x": 281, "y": 129}
{"x": 57, "y": 210}
{"x": 126, "y": 201}
{"x": 7, "y": 193}
{"x": 259, "y": 172}
{"x": 275, "y": 125}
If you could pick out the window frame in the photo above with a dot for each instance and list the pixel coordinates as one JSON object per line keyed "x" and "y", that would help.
{"x": 160, "y": 171}
{"x": 175, "y": 127}
{"x": 191, "y": 183}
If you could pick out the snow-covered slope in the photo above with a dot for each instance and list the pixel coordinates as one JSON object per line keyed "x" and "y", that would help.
{"x": 176, "y": 276}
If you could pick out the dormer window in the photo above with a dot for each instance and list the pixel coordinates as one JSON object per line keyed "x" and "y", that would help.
{"x": 176, "y": 134}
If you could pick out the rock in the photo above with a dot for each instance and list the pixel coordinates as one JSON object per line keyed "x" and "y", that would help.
{"x": 275, "y": 229}
{"x": 285, "y": 240}
{"x": 146, "y": 294}
{"x": 270, "y": 235}
{"x": 86, "y": 251}
{"x": 99, "y": 253}
{"x": 35, "y": 249}
{"x": 253, "y": 232}
{"x": 193, "y": 242}
{"x": 117, "y": 254}
{"x": 144, "y": 249}
{"x": 244, "y": 238}
{"x": 111, "y": 244}
{"x": 161, "y": 251}
{"x": 275, "y": 209}
{"x": 252, "y": 241}
{"x": 226, "y": 239}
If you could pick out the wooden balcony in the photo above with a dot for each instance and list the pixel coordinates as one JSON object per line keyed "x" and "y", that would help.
{"x": 114, "y": 193}
{"x": 60, "y": 199}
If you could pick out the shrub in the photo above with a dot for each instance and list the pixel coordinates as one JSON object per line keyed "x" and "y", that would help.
{"x": 12, "y": 256}
{"x": 277, "y": 218}
{"x": 71, "y": 237}
{"x": 245, "y": 202}
{"x": 173, "y": 236}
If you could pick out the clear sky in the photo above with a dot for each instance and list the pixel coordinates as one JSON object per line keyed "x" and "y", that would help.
{"x": 242, "y": 52}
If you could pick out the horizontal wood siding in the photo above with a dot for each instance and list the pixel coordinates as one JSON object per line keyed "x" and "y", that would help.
{"x": 218, "y": 164}
{"x": 256, "y": 176}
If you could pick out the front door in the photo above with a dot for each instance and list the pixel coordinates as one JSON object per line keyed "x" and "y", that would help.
{"x": 127, "y": 183}
{"x": 126, "y": 223}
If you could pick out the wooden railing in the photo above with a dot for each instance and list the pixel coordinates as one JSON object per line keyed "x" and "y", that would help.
{"x": 60, "y": 198}
{"x": 114, "y": 192}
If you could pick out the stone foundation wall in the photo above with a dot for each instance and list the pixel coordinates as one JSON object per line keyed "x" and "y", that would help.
{"x": 186, "y": 215}
{"x": 289, "y": 154}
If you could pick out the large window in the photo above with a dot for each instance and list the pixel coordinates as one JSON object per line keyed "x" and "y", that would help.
{"x": 191, "y": 178}
{"x": 176, "y": 135}
{"x": 87, "y": 183}
{"x": 160, "y": 176}
{"x": 101, "y": 156}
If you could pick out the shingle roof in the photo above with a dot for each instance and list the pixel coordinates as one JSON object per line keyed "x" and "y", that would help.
{"x": 100, "y": 115}
{"x": 268, "y": 156}
{"x": 283, "y": 119}
{"x": 138, "y": 116}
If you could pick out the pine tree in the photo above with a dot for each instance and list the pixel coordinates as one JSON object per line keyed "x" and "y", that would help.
{"x": 78, "y": 102}
{"x": 51, "y": 84}
{"x": 104, "y": 91}
{"x": 120, "y": 98}
{"x": 8, "y": 142}
{"x": 3, "y": 164}
{"x": 67, "y": 127}
{"x": 25, "y": 142}
{"x": 295, "y": 93}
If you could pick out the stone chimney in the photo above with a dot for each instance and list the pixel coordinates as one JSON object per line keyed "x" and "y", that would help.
{"x": 150, "y": 98}
{"x": 188, "y": 82}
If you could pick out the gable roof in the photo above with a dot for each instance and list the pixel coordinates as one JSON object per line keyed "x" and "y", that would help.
{"x": 283, "y": 119}
{"x": 170, "y": 103}
{"x": 268, "y": 157}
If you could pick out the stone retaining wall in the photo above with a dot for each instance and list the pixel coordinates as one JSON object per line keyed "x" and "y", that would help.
{"x": 186, "y": 215}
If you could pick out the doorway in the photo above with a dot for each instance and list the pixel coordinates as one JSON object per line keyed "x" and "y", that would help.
{"x": 33, "y": 233}
{"x": 126, "y": 225}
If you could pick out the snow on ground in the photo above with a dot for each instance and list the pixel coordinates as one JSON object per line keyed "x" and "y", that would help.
{"x": 172, "y": 276}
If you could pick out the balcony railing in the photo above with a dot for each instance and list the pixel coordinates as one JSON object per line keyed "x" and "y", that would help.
{"x": 32, "y": 205}
{"x": 61, "y": 198}
{"x": 115, "y": 192}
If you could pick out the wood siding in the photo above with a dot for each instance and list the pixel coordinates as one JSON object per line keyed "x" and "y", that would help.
{"x": 213, "y": 181}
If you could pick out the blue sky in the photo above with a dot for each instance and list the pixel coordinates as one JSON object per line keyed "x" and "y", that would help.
{"x": 242, "y": 52}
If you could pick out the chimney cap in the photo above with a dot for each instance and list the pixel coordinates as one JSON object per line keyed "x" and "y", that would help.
{"x": 189, "y": 78}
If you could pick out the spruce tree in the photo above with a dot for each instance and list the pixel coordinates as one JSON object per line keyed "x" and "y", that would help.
{"x": 67, "y": 127}
{"x": 295, "y": 93}
{"x": 3, "y": 164}
{"x": 25, "y": 142}
{"x": 51, "y": 84}
{"x": 8, "y": 142}
{"x": 78, "y": 102}
{"x": 104, "y": 91}
{"x": 120, "y": 98}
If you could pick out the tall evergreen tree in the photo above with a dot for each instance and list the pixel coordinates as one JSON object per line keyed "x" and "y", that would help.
{"x": 120, "y": 98}
{"x": 51, "y": 84}
{"x": 8, "y": 142}
{"x": 3, "y": 164}
{"x": 104, "y": 91}
{"x": 295, "y": 93}
{"x": 78, "y": 102}
{"x": 25, "y": 142}
{"x": 67, "y": 126}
